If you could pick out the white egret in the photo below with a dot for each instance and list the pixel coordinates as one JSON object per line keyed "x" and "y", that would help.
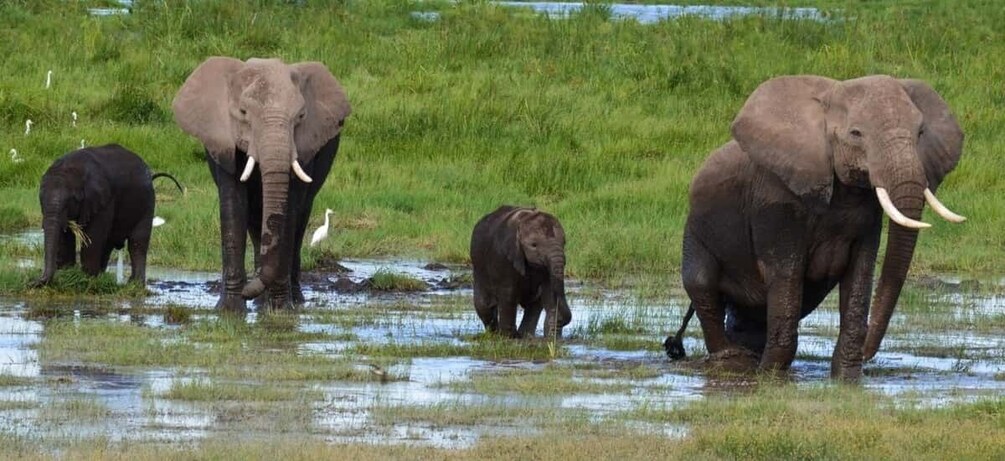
{"x": 321, "y": 233}
{"x": 48, "y": 79}
{"x": 27, "y": 126}
{"x": 14, "y": 157}
{"x": 81, "y": 143}
{"x": 119, "y": 277}
{"x": 158, "y": 221}
{"x": 74, "y": 115}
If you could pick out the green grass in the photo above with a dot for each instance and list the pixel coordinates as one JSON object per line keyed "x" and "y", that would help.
{"x": 206, "y": 391}
{"x": 601, "y": 123}
{"x": 385, "y": 280}
{"x": 224, "y": 348}
{"x": 549, "y": 380}
{"x": 9, "y": 380}
{"x": 483, "y": 346}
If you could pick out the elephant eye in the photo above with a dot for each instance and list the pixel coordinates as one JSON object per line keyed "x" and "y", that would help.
{"x": 244, "y": 112}
{"x": 921, "y": 132}
{"x": 856, "y": 133}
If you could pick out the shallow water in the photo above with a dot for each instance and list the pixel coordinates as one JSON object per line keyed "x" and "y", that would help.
{"x": 651, "y": 14}
{"x": 133, "y": 406}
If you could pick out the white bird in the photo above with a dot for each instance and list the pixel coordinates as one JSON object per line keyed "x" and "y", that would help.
{"x": 27, "y": 126}
{"x": 74, "y": 114}
{"x": 48, "y": 79}
{"x": 118, "y": 269}
{"x": 158, "y": 221}
{"x": 81, "y": 143}
{"x": 14, "y": 157}
{"x": 321, "y": 233}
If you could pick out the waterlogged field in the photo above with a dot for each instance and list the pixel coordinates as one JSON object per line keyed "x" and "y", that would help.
{"x": 384, "y": 371}
{"x": 458, "y": 107}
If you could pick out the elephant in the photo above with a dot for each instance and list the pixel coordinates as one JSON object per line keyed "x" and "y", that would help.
{"x": 285, "y": 118}
{"x": 792, "y": 206}
{"x": 108, "y": 191}
{"x": 518, "y": 257}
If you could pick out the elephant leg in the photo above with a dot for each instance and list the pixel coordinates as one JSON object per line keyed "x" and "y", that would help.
{"x": 700, "y": 276}
{"x": 856, "y": 287}
{"x": 94, "y": 256}
{"x": 785, "y": 296}
{"x": 486, "y": 309}
{"x": 531, "y": 316}
{"x": 507, "y": 306}
{"x": 233, "y": 237}
{"x": 302, "y": 201}
{"x": 66, "y": 252}
{"x": 139, "y": 244}
{"x": 319, "y": 168}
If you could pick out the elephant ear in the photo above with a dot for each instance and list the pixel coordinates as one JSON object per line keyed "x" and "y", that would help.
{"x": 326, "y": 107}
{"x": 507, "y": 239}
{"x": 782, "y": 128}
{"x": 202, "y": 108}
{"x": 941, "y": 143}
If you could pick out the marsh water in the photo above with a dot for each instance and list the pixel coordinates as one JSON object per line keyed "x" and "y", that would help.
{"x": 946, "y": 358}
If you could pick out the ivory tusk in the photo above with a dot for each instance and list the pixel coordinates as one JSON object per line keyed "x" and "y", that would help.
{"x": 941, "y": 209}
{"x": 895, "y": 214}
{"x": 248, "y": 168}
{"x": 300, "y": 172}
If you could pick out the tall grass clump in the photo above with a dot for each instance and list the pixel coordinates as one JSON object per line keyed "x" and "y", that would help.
{"x": 600, "y": 121}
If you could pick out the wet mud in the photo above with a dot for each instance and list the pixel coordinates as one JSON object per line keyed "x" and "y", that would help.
{"x": 613, "y": 334}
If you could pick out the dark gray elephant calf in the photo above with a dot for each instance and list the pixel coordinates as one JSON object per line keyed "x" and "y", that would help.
{"x": 108, "y": 191}
{"x": 518, "y": 257}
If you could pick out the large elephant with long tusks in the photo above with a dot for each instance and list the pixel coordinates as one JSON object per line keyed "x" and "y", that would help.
{"x": 271, "y": 131}
{"x": 792, "y": 207}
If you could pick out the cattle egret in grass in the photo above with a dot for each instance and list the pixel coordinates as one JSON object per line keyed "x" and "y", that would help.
{"x": 48, "y": 79}
{"x": 74, "y": 115}
{"x": 321, "y": 233}
{"x": 81, "y": 143}
{"x": 158, "y": 221}
{"x": 118, "y": 268}
{"x": 14, "y": 157}
{"x": 27, "y": 126}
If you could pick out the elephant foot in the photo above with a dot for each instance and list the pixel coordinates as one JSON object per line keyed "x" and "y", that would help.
{"x": 846, "y": 374}
{"x": 674, "y": 347}
{"x": 231, "y": 303}
{"x": 733, "y": 360}
{"x": 297, "y": 296}
{"x": 253, "y": 289}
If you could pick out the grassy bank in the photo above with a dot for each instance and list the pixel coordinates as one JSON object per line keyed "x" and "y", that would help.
{"x": 602, "y": 123}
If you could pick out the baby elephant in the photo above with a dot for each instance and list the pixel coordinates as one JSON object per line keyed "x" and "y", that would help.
{"x": 518, "y": 255}
{"x": 108, "y": 191}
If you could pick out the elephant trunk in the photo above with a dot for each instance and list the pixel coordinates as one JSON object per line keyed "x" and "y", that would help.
{"x": 54, "y": 223}
{"x": 560, "y": 315}
{"x": 275, "y": 155}
{"x": 907, "y": 196}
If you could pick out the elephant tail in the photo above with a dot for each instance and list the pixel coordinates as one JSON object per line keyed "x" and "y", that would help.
{"x": 165, "y": 175}
{"x": 674, "y": 345}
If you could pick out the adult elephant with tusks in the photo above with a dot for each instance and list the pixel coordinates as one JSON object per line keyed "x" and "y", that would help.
{"x": 271, "y": 131}
{"x": 792, "y": 207}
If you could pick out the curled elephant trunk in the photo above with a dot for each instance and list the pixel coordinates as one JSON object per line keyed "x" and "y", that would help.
{"x": 560, "y": 315}
{"x": 901, "y": 241}
{"x": 53, "y": 225}
{"x": 274, "y": 261}
{"x": 904, "y": 210}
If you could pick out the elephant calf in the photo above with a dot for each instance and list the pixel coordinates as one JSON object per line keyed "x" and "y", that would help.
{"x": 108, "y": 191}
{"x": 518, "y": 257}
